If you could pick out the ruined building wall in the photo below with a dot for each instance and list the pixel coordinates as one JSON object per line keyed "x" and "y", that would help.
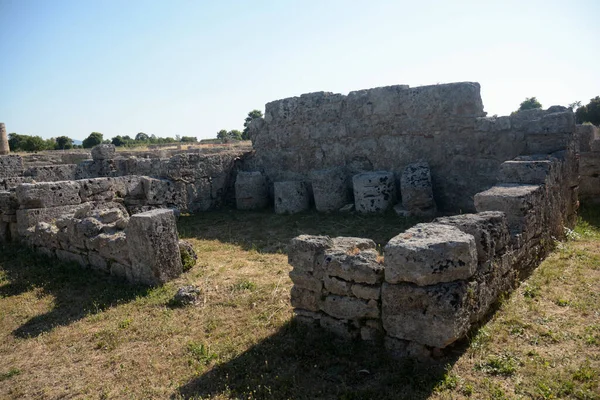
{"x": 589, "y": 139}
{"x": 389, "y": 127}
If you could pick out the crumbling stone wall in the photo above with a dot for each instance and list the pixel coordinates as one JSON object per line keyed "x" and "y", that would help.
{"x": 589, "y": 139}
{"x": 388, "y": 128}
{"x": 436, "y": 280}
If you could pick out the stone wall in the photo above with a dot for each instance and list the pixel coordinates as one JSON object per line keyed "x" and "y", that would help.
{"x": 435, "y": 281}
{"x": 388, "y": 128}
{"x": 589, "y": 139}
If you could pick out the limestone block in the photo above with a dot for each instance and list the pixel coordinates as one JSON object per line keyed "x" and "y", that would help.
{"x": 68, "y": 256}
{"x": 520, "y": 203}
{"x": 427, "y": 254}
{"x": 353, "y": 266}
{"x": 291, "y": 197}
{"x": 416, "y": 189}
{"x": 4, "y": 232}
{"x": 97, "y": 189}
{"x": 587, "y": 134}
{"x": 306, "y": 281}
{"x": 52, "y": 173}
{"x": 367, "y": 292}
{"x": 111, "y": 246}
{"x": 432, "y": 315}
{"x": 340, "y": 328}
{"x": 492, "y": 124}
{"x": 98, "y": 262}
{"x": 103, "y": 152}
{"x": 489, "y": 229}
{"x": 305, "y": 299}
{"x": 52, "y": 194}
{"x": 129, "y": 186}
{"x": 374, "y": 191}
{"x": 165, "y": 192}
{"x": 11, "y": 166}
{"x": 153, "y": 247}
{"x": 251, "y": 191}
{"x": 44, "y": 235}
{"x": 13, "y": 182}
{"x": 330, "y": 189}
{"x": 337, "y": 286}
{"x": 528, "y": 170}
{"x": 305, "y": 252}
{"x": 345, "y": 307}
{"x": 29, "y": 218}
{"x": 307, "y": 317}
{"x": 353, "y": 243}
{"x": 8, "y": 202}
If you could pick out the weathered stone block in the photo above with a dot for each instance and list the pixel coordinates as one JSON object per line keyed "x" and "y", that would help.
{"x": 29, "y": 218}
{"x": 374, "y": 191}
{"x": 338, "y": 327}
{"x": 489, "y": 229}
{"x": 103, "y": 152}
{"x": 165, "y": 192}
{"x": 416, "y": 190}
{"x": 11, "y": 166}
{"x": 427, "y": 254}
{"x": 291, "y": 197}
{"x": 330, "y": 189}
{"x": 345, "y": 307}
{"x": 44, "y": 195}
{"x": 354, "y": 266}
{"x": 153, "y": 247}
{"x": 337, "y": 286}
{"x": 519, "y": 202}
{"x": 251, "y": 192}
{"x": 305, "y": 299}
{"x": 367, "y": 292}
{"x": 306, "y": 281}
{"x": 305, "y": 252}
{"x": 525, "y": 170}
{"x": 68, "y": 256}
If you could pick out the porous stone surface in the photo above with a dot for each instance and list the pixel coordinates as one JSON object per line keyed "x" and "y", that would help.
{"x": 53, "y": 194}
{"x": 430, "y": 253}
{"x": 153, "y": 247}
{"x": 330, "y": 189}
{"x": 11, "y": 166}
{"x": 374, "y": 192}
{"x": 251, "y": 192}
{"x": 188, "y": 254}
{"x": 416, "y": 190}
{"x": 103, "y": 152}
{"x": 525, "y": 170}
{"x": 291, "y": 197}
{"x": 589, "y": 166}
{"x": 187, "y": 295}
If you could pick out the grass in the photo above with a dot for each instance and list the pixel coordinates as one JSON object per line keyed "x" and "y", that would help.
{"x": 67, "y": 332}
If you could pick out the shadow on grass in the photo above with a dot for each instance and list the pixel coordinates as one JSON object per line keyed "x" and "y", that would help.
{"x": 302, "y": 363}
{"x": 77, "y": 292}
{"x": 590, "y": 214}
{"x": 268, "y": 232}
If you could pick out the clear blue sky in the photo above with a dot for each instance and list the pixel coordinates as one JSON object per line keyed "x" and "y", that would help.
{"x": 195, "y": 67}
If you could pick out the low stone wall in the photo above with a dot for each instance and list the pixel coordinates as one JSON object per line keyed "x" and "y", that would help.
{"x": 435, "y": 281}
{"x": 589, "y": 139}
{"x": 11, "y": 166}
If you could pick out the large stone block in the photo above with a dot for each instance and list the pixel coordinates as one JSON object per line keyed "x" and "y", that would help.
{"x": 526, "y": 170}
{"x": 432, "y": 315}
{"x": 305, "y": 299}
{"x": 587, "y": 134}
{"x": 345, "y": 307}
{"x": 306, "y": 252}
{"x": 11, "y": 165}
{"x": 353, "y": 265}
{"x": 153, "y": 247}
{"x": 330, "y": 189}
{"x": 416, "y": 190}
{"x": 29, "y": 218}
{"x": 427, "y": 254}
{"x": 251, "y": 191}
{"x": 489, "y": 229}
{"x": 44, "y": 195}
{"x": 520, "y": 203}
{"x": 291, "y": 197}
{"x": 374, "y": 191}
{"x": 164, "y": 192}
{"x": 103, "y": 152}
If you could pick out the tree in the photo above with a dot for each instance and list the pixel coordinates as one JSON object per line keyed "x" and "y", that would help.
{"x": 34, "y": 143}
{"x": 189, "y": 139}
{"x": 222, "y": 134}
{"x": 63, "y": 143}
{"x": 142, "y": 137}
{"x": 252, "y": 115}
{"x": 15, "y": 141}
{"x": 588, "y": 113}
{"x": 94, "y": 139}
{"x": 530, "y": 103}
{"x": 118, "y": 141}
{"x": 234, "y": 134}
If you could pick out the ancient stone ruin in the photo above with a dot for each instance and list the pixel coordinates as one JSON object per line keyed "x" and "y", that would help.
{"x": 503, "y": 190}
{"x": 4, "y": 148}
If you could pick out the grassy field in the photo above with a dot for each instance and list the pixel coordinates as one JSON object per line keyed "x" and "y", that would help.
{"x": 68, "y": 333}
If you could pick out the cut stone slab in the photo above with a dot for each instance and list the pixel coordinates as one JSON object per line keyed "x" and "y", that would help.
{"x": 427, "y": 254}
{"x": 251, "y": 192}
{"x": 153, "y": 247}
{"x": 306, "y": 281}
{"x": 516, "y": 201}
{"x": 489, "y": 229}
{"x": 103, "y": 152}
{"x": 354, "y": 266}
{"x": 305, "y": 299}
{"x": 305, "y": 252}
{"x": 344, "y": 307}
{"x": 291, "y": 197}
{"x": 330, "y": 189}
{"x": 416, "y": 190}
{"x": 48, "y": 194}
{"x": 374, "y": 192}
{"x": 525, "y": 170}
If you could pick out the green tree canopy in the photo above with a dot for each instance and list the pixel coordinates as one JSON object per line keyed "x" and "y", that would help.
{"x": 34, "y": 143}
{"x": 251, "y": 116}
{"x": 530, "y": 103}
{"x": 588, "y": 113}
{"x": 189, "y": 139}
{"x": 63, "y": 143}
{"x": 94, "y": 139}
{"x": 142, "y": 137}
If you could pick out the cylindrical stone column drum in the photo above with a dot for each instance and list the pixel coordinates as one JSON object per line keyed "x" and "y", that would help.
{"x": 4, "y": 149}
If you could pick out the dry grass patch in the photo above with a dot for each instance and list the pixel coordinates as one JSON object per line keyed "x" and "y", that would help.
{"x": 66, "y": 332}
